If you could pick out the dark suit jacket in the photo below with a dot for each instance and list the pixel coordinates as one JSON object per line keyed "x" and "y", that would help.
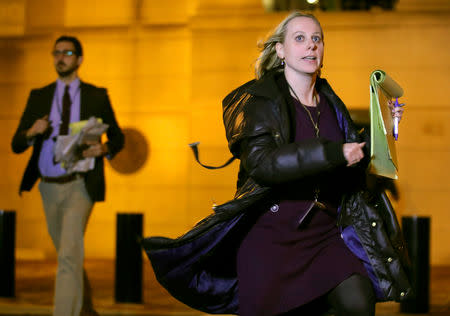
{"x": 94, "y": 101}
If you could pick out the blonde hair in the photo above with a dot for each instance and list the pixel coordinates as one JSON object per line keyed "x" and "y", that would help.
{"x": 268, "y": 58}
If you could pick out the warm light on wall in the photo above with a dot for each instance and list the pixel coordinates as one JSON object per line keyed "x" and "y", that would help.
{"x": 168, "y": 68}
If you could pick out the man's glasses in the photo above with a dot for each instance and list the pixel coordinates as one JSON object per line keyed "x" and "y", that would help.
{"x": 57, "y": 53}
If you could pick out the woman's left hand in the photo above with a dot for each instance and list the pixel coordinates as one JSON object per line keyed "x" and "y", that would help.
{"x": 396, "y": 111}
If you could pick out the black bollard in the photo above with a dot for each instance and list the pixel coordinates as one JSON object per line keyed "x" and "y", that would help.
{"x": 128, "y": 278}
{"x": 7, "y": 253}
{"x": 416, "y": 231}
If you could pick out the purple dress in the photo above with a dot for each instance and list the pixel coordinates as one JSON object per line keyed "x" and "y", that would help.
{"x": 282, "y": 265}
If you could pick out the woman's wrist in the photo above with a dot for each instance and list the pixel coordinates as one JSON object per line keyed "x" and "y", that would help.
{"x": 334, "y": 153}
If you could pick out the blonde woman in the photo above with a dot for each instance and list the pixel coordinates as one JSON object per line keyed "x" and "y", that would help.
{"x": 304, "y": 235}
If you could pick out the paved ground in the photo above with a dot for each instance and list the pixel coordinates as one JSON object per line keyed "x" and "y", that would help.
{"x": 34, "y": 293}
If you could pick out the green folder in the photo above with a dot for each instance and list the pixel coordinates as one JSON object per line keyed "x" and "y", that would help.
{"x": 382, "y": 147}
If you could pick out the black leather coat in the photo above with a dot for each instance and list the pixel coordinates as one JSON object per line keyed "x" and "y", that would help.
{"x": 198, "y": 268}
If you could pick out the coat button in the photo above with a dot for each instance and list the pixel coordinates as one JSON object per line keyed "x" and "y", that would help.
{"x": 374, "y": 224}
{"x": 274, "y": 208}
{"x": 402, "y": 294}
{"x": 389, "y": 259}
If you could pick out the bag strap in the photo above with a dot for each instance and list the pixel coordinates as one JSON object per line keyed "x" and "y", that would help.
{"x": 194, "y": 147}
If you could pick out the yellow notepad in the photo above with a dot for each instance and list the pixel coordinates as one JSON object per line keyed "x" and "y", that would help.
{"x": 76, "y": 127}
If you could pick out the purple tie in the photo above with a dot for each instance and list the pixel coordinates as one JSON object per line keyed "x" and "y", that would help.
{"x": 65, "y": 115}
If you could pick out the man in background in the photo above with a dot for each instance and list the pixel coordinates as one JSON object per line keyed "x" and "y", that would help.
{"x": 68, "y": 198}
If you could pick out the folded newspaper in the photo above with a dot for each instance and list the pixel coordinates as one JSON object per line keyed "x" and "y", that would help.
{"x": 69, "y": 148}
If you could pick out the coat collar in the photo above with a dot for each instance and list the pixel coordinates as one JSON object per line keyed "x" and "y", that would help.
{"x": 267, "y": 87}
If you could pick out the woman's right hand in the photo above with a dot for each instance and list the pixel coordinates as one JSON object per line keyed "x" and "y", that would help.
{"x": 353, "y": 152}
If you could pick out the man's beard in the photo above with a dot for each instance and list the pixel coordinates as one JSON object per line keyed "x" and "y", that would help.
{"x": 66, "y": 73}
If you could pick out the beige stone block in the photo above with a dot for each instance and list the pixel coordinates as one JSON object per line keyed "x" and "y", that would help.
{"x": 350, "y": 84}
{"x": 163, "y": 212}
{"x": 121, "y": 92}
{"x": 38, "y": 62}
{"x": 219, "y": 5}
{"x": 163, "y": 130}
{"x": 108, "y": 56}
{"x": 243, "y": 19}
{"x": 425, "y": 129}
{"x": 431, "y": 203}
{"x": 9, "y": 196}
{"x": 163, "y": 51}
{"x": 146, "y": 94}
{"x": 423, "y": 86}
{"x": 44, "y": 15}
{"x": 165, "y": 12}
{"x": 98, "y": 13}
{"x": 166, "y": 138}
{"x": 28, "y": 205}
{"x": 31, "y": 233}
{"x": 31, "y": 229}
{"x": 163, "y": 167}
{"x": 208, "y": 128}
{"x": 162, "y": 93}
{"x": 425, "y": 169}
{"x": 209, "y": 88}
{"x": 392, "y": 46}
{"x": 225, "y": 178}
{"x": 14, "y": 99}
{"x": 12, "y": 17}
{"x": 7, "y": 129}
{"x": 160, "y": 205}
{"x": 100, "y": 237}
{"x": 13, "y": 164}
{"x": 219, "y": 50}
{"x": 12, "y": 55}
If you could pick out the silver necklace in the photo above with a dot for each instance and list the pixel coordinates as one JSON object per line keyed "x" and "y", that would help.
{"x": 315, "y": 124}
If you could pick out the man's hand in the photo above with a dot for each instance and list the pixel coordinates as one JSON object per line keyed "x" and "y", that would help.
{"x": 353, "y": 152}
{"x": 38, "y": 127}
{"x": 95, "y": 149}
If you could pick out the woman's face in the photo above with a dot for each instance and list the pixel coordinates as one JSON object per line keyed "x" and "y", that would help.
{"x": 302, "y": 49}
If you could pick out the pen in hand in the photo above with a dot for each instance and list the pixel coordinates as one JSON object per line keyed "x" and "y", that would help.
{"x": 396, "y": 119}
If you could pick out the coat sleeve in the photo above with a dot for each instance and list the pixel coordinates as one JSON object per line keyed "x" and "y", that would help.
{"x": 254, "y": 137}
{"x": 116, "y": 138}
{"x": 270, "y": 164}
